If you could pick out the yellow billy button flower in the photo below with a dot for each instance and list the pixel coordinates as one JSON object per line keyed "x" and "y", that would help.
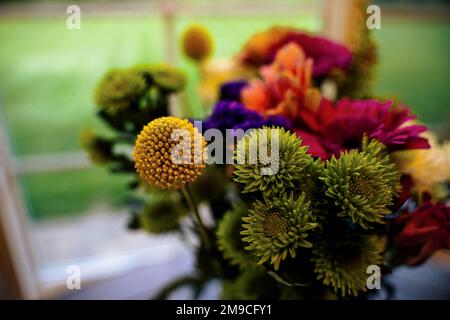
{"x": 169, "y": 153}
{"x": 197, "y": 43}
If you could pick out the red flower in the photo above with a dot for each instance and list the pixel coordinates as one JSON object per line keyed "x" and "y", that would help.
{"x": 425, "y": 230}
{"x": 332, "y": 130}
{"x": 406, "y": 183}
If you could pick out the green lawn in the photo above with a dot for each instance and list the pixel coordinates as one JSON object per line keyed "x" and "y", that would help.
{"x": 415, "y": 67}
{"x": 47, "y": 76}
{"x": 68, "y": 192}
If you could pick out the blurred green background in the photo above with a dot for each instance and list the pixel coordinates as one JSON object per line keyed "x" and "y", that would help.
{"x": 48, "y": 73}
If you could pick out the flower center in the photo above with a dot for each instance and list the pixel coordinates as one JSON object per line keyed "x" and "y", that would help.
{"x": 275, "y": 225}
{"x": 310, "y": 190}
{"x": 360, "y": 187}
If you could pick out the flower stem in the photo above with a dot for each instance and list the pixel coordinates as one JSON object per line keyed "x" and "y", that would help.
{"x": 191, "y": 202}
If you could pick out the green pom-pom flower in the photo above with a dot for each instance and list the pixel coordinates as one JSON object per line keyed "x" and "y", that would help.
{"x": 229, "y": 239}
{"x": 313, "y": 187}
{"x": 119, "y": 90}
{"x": 361, "y": 187}
{"x": 165, "y": 77}
{"x": 100, "y": 150}
{"x": 270, "y": 160}
{"x": 390, "y": 172}
{"x": 343, "y": 264}
{"x": 162, "y": 213}
{"x": 275, "y": 229}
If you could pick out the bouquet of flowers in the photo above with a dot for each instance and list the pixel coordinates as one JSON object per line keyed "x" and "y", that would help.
{"x": 308, "y": 183}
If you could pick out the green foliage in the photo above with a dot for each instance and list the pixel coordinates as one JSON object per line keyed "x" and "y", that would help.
{"x": 99, "y": 149}
{"x": 167, "y": 78}
{"x": 207, "y": 187}
{"x": 359, "y": 78}
{"x": 252, "y": 284}
{"x": 162, "y": 212}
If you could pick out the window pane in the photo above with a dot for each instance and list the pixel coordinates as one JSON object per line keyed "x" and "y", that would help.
{"x": 71, "y": 193}
{"x": 48, "y": 73}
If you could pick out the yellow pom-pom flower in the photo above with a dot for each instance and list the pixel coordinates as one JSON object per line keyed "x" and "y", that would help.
{"x": 197, "y": 43}
{"x": 169, "y": 153}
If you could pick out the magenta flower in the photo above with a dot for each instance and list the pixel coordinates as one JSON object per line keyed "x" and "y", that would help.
{"x": 333, "y": 130}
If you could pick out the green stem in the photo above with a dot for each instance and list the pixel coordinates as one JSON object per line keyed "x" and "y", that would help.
{"x": 191, "y": 202}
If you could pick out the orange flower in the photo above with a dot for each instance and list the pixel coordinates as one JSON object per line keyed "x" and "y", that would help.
{"x": 256, "y": 50}
{"x": 286, "y": 85}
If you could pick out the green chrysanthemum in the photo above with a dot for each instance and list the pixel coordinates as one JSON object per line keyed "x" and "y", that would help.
{"x": 164, "y": 76}
{"x": 312, "y": 186}
{"x": 98, "y": 148}
{"x": 270, "y": 160}
{"x": 162, "y": 213}
{"x": 342, "y": 265}
{"x": 229, "y": 239}
{"x": 276, "y": 229}
{"x": 361, "y": 187}
{"x": 119, "y": 90}
{"x": 390, "y": 172}
{"x": 252, "y": 284}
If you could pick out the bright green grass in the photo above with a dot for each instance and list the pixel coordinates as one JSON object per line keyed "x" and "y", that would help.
{"x": 67, "y": 192}
{"x": 47, "y": 76}
{"x": 415, "y": 67}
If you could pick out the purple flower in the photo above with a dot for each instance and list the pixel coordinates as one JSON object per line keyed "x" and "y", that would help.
{"x": 231, "y": 91}
{"x": 234, "y": 115}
